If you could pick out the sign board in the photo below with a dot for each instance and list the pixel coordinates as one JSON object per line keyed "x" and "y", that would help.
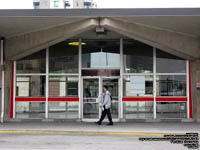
{"x": 137, "y": 84}
{"x": 198, "y": 85}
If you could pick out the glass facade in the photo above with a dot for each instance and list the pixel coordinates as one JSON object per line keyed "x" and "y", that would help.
{"x": 101, "y": 54}
{"x": 171, "y": 85}
{"x": 35, "y": 63}
{"x": 138, "y": 110}
{"x": 63, "y": 110}
{"x": 63, "y": 86}
{"x": 32, "y": 110}
{"x": 30, "y": 86}
{"x": 138, "y": 57}
{"x": 63, "y": 58}
{"x": 165, "y": 61}
{"x": 134, "y": 85}
{"x": 171, "y": 110}
{"x": 136, "y": 72}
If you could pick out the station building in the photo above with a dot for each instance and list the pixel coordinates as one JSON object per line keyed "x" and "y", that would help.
{"x": 54, "y": 63}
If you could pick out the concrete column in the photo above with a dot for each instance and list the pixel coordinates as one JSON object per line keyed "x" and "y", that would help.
{"x": 0, "y": 85}
{"x": 8, "y": 79}
{"x": 195, "y": 77}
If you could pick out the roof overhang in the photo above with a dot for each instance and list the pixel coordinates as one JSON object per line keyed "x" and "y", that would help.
{"x": 176, "y": 30}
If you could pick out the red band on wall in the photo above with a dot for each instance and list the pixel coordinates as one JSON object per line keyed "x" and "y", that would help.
{"x": 171, "y": 99}
{"x": 63, "y": 99}
{"x": 30, "y": 99}
{"x": 134, "y": 99}
{"x": 43, "y": 99}
{"x": 190, "y": 91}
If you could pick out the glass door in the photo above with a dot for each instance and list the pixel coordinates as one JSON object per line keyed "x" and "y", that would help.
{"x": 90, "y": 98}
{"x": 92, "y": 89}
{"x": 113, "y": 88}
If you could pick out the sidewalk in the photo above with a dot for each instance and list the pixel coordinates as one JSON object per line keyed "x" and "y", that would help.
{"x": 130, "y": 127}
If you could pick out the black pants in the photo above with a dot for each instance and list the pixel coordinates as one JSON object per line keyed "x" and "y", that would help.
{"x": 103, "y": 114}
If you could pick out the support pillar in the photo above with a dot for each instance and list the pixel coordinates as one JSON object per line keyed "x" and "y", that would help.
{"x": 195, "y": 78}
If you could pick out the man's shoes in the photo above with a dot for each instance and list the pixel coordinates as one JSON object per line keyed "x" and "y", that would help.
{"x": 110, "y": 124}
{"x": 98, "y": 122}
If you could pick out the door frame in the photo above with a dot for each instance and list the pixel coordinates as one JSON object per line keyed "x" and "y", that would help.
{"x": 100, "y": 78}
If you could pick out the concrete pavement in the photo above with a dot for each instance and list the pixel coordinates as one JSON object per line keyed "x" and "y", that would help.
{"x": 128, "y": 127}
{"x": 89, "y": 136}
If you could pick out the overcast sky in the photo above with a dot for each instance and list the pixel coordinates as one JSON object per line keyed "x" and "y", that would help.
{"x": 27, "y": 4}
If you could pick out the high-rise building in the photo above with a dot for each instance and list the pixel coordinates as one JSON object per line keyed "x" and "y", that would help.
{"x": 84, "y": 4}
{"x": 63, "y": 4}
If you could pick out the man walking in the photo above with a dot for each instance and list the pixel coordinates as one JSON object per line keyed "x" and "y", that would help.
{"x": 106, "y": 103}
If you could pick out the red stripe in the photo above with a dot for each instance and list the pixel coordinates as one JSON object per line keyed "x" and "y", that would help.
{"x": 129, "y": 99}
{"x": 63, "y": 99}
{"x": 12, "y": 91}
{"x": 190, "y": 91}
{"x": 30, "y": 99}
{"x": 171, "y": 99}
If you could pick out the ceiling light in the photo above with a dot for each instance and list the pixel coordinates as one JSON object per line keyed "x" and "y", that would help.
{"x": 76, "y": 43}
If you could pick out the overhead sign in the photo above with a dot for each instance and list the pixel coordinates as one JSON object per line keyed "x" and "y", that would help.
{"x": 138, "y": 84}
{"x": 198, "y": 85}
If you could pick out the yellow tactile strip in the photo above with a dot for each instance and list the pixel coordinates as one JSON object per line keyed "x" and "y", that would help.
{"x": 85, "y": 132}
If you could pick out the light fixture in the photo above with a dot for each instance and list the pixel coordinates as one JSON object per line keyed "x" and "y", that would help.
{"x": 76, "y": 43}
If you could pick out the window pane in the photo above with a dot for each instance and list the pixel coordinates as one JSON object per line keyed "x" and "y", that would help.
{"x": 171, "y": 85}
{"x": 26, "y": 110}
{"x": 30, "y": 86}
{"x": 63, "y": 86}
{"x": 138, "y": 110}
{"x": 138, "y": 57}
{"x": 63, "y": 58}
{"x": 35, "y": 63}
{"x": 138, "y": 86}
{"x": 165, "y": 61}
{"x": 171, "y": 110}
{"x": 101, "y": 54}
{"x": 63, "y": 110}
{"x": 36, "y": 5}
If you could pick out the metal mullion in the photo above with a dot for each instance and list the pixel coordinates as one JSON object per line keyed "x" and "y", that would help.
{"x": 120, "y": 84}
{"x": 31, "y": 74}
{"x": 100, "y": 91}
{"x": 52, "y": 74}
{"x": 98, "y": 68}
{"x": 138, "y": 74}
{"x": 154, "y": 84}
{"x": 188, "y": 91}
{"x": 14, "y": 91}
{"x": 47, "y": 83}
{"x": 175, "y": 74}
{"x": 80, "y": 114}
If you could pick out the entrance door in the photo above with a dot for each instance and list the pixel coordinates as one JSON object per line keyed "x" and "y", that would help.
{"x": 90, "y": 98}
{"x": 113, "y": 88}
{"x": 92, "y": 89}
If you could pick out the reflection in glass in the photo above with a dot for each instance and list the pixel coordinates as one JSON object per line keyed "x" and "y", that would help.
{"x": 35, "y": 63}
{"x": 165, "y": 61}
{"x": 26, "y": 110}
{"x": 138, "y": 110}
{"x": 141, "y": 85}
{"x": 138, "y": 57}
{"x": 90, "y": 110}
{"x": 90, "y": 96}
{"x": 91, "y": 88}
{"x": 63, "y": 86}
{"x": 63, "y": 110}
{"x": 171, "y": 110}
{"x": 171, "y": 85}
{"x": 30, "y": 86}
{"x": 101, "y": 54}
{"x": 112, "y": 85}
{"x": 63, "y": 58}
